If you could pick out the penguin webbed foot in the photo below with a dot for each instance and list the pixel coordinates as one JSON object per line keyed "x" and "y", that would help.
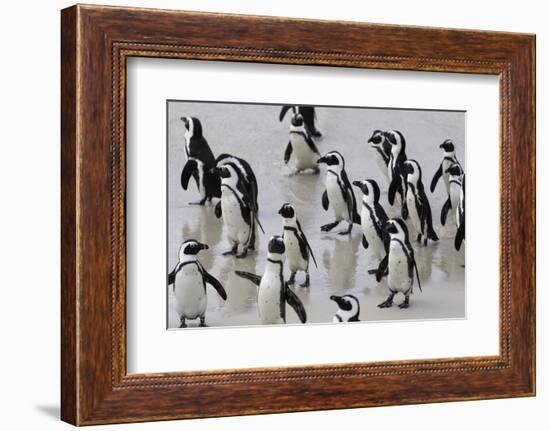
{"x": 329, "y": 226}
{"x": 243, "y": 254}
{"x": 201, "y": 202}
{"x": 405, "y": 303}
{"x": 231, "y": 252}
{"x": 292, "y": 280}
{"x": 348, "y": 231}
{"x": 202, "y": 323}
{"x": 387, "y": 303}
{"x": 306, "y": 281}
{"x": 182, "y": 322}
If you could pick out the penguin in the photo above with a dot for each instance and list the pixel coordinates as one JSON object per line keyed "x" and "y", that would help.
{"x": 274, "y": 292}
{"x": 461, "y": 216}
{"x": 373, "y": 218}
{"x": 200, "y": 161}
{"x": 417, "y": 202}
{"x": 189, "y": 280}
{"x": 235, "y": 210}
{"x": 381, "y": 148}
{"x": 297, "y": 247}
{"x": 449, "y": 158}
{"x": 398, "y": 155}
{"x": 455, "y": 173}
{"x": 338, "y": 193}
{"x": 302, "y": 146}
{"x": 348, "y": 308}
{"x": 246, "y": 184}
{"x": 308, "y": 114}
{"x": 399, "y": 263}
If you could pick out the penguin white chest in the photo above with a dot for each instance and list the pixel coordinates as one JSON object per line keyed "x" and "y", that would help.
{"x": 398, "y": 269}
{"x": 369, "y": 230}
{"x": 269, "y": 299}
{"x": 294, "y": 256}
{"x": 454, "y": 194}
{"x": 380, "y": 162}
{"x": 190, "y": 293}
{"x": 304, "y": 157}
{"x": 237, "y": 228}
{"x": 413, "y": 212}
{"x": 336, "y": 198}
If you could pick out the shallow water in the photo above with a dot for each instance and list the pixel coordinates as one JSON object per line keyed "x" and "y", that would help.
{"x": 254, "y": 133}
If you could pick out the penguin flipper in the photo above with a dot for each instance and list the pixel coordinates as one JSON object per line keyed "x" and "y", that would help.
{"x": 365, "y": 242}
{"x": 218, "y": 209}
{"x": 288, "y": 152}
{"x": 382, "y": 268}
{"x": 256, "y": 279}
{"x": 295, "y": 303}
{"x": 394, "y": 185}
{"x": 305, "y": 241}
{"x": 188, "y": 170}
{"x": 172, "y": 277}
{"x": 214, "y": 282}
{"x": 444, "y": 210}
{"x": 324, "y": 200}
{"x": 283, "y": 112}
{"x": 459, "y": 237}
{"x": 436, "y": 178}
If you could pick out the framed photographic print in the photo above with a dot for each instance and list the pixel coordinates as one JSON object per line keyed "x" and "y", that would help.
{"x": 283, "y": 212}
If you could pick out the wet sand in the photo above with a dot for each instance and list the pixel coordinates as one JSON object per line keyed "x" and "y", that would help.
{"x": 254, "y": 133}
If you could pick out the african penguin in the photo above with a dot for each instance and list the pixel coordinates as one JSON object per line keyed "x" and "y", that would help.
{"x": 297, "y": 247}
{"x": 301, "y": 146}
{"x": 417, "y": 202}
{"x": 273, "y": 291}
{"x": 235, "y": 211}
{"x": 247, "y": 185}
{"x": 348, "y": 308}
{"x": 399, "y": 263}
{"x": 189, "y": 280}
{"x": 461, "y": 216}
{"x": 455, "y": 173}
{"x": 381, "y": 148}
{"x": 397, "y": 157}
{"x": 449, "y": 158}
{"x": 338, "y": 193}
{"x": 200, "y": 161}
{"x": 308, "y": 114}
{"x": 373, "y": 218}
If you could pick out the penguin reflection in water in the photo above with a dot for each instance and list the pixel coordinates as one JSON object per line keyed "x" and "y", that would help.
{"x": 189, "y": 280}
{"x": 417, "y": 202}
{"x": 237, "y": 211}
{"x": 348, "y": 308}
{"x": 338, "y": 193}
{"x": 273, "y": 291}
{"x": 301, "y": 145}
{"x": 399, "y": 264}
{"x": 200, "y": 162}
{"x": 297, "y": 247}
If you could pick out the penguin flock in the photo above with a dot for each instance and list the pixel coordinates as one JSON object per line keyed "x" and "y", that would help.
{"x": 229, "y": 184}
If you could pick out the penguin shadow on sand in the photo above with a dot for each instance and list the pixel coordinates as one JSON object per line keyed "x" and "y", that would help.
{"x": 340, "y": 262}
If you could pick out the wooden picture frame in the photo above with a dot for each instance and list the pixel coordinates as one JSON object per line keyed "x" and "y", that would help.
{"x": 95, "y": 43}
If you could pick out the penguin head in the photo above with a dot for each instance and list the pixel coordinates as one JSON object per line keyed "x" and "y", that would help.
{"x": 412, "y": 171}
{"x": 454, "y": 170}
{"x": 377, "y": 139}
{"x": 297, "y": 120}
{"x": 347, "y": 303}
{"x": 287, "y": 211}
{"x": 369, "y": 188}
{"x": 334, "y": 160}
{"x": 397, "y": 141}
{"x": 190, "y": 248}
{"x": 227, "y": 173}
{"x": 397, "y": 229}
{"x": 193, "y": 127}
{"x": 276, "y": 248}
{"x": 448, "y": 146}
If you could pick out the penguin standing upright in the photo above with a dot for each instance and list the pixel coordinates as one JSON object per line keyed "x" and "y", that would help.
{"x": 455, "y": 173}
{"x": 308, "y": 114}
{"x": 189, "y": 279}
{"x": 297, "y": 247}
{"x": 338, "y": 193}
{"x": 236, "y": 211}
{"x": 461, "y": 216}
{"x": 274, "y": 292}
{"x": 381, "y": 148}
{"x": 247, "y": 185}
{"x": 398, "y": 156}
{"x": 200, "y": 161}
{"x": 373, "y": 218}
{"x": 399, "y": 264}
{"x": 301, "y": 146}
{"x": 417, "y": 202}
{"x": 348, "y": 308}
{"x": 449, "y": 158}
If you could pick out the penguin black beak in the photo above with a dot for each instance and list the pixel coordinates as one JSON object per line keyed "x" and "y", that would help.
{"x": 321, "y": 160}
{"x": 203, "y": 246}
{"x": 357, "y": 184}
